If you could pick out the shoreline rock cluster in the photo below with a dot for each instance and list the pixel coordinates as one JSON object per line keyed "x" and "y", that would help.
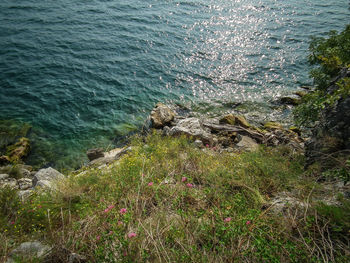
{"x": 226, "y": 133}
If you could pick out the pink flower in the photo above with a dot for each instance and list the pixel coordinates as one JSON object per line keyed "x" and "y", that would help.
{"x": 122, "y": 211}
{"x": 120, "y": 223}
{"x": 189, "y": 185}
{"x": 39, "y": 206}
{"x": 248, "y": 222}
{"x": 98, "y": 237}
{"x": 110, "y": 232}
{"x": 106, "y": 210}
{"x": 12, "y": 222}
{"x": 150, "y": 183}
{"x": 143, "y": 175}
{"x": 207, "y": 145}
{"x": 227, "y": 219}
{"x": 183, "y": 179}
{"x": 131, "y": 235}
{"x": 109, "y": 208}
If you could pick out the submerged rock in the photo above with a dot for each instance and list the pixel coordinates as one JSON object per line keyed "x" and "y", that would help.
{"x": 161, "y": 116}
{"x": 19, "y": 150}
{"x": 290, "y": 101}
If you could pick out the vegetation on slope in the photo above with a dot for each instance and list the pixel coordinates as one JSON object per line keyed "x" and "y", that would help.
{"x": 168, "y": 201}
{"x": 330, "y": 56}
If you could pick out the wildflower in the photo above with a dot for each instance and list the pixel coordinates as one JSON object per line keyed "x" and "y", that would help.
{"x": 183, "y": 179}
{"x": 150, "y": 183}
{"x": 143, "y": 175}
{"x": 120, "y": 223}
{"x": 39, "y": 206}
{"x": 12, "y": 222}
{"x": 110, "y": 232}
{"x": 131, "y": 235}
{"x": 248, "y": 222}
{"x": 98, "y": 237}
{"x": 227, "y": 219}
{"x": 207, "y": 145}
{"x": 122, "y": 211}
{"x": 189, "y": 185}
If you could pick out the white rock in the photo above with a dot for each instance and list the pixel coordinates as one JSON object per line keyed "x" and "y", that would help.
{"x": 25, "y": 183}
{"x": 29, "y": 250}
{"x": 47, "y": 174}
{"x": 9, "y": 182}
{"x": 3, "y": 176}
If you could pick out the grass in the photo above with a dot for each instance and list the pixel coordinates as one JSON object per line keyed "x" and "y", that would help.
{"x": 167, "y": 201}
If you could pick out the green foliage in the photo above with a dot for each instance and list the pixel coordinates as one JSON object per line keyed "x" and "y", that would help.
{"x": 330, "y": 55}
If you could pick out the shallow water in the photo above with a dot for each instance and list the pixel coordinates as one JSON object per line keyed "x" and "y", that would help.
{"x": 84, "y": 72}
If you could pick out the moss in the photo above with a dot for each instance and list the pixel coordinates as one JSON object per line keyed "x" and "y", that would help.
{"x": 19, "y": 150}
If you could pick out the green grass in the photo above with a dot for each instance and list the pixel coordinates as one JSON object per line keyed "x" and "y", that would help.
{"x": 176, "y": 220}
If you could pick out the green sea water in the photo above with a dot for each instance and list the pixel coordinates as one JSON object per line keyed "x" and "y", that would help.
{"x": 85, "y": 73}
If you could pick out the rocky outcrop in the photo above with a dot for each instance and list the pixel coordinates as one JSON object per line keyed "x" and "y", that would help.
{"x": 230, "y": 132}
{"x": 109, "y": 157}
{"x": 161, "y": 116}
{"x": 331, "y": 137}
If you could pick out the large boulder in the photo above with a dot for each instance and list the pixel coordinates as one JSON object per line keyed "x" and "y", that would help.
{"x": 247, "y": 144}
{"x": 161, "y": 116}
{"x": 25, "y": 183}
{"x": 192, "y": 127}
{"x": 47, "y": 175}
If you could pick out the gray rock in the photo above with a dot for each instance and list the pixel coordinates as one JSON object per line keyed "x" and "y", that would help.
{"x": 110, "y": 156}
{"x": 247, "y": 144}
{"x": 281, "y": 202}
{"x": 3, "y": 176}
{"x": 198, "y": 143}
{"x": 76, "y": 258}
{"x": 24, "y": 194}
{"x": 25, "y": 173}
{"x": 161, "y": 115}
{"x": 192, "y": 127}
{"x": 44, "y": 184}
{"x": 25, "y": 183}
{"x": 28, "y": 250}
{"x": 95, "y": 153}
{"x": 47, "y": 174}
{"x": 9, "y": 182}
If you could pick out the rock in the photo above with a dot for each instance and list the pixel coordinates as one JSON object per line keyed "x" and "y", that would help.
{"x": 25, "y": 183}
{"x": 300, "y": 93}
{"x": 290, "y": 101}
{"x": 282, "y": 201}
{"x": 3, "y": 176}
{"x": 198, "y": 143}
{"x": 76, "y": 258}
{"x": 29, "y": 250}
{"x": 95, "y": 153}
{"x": 44, "y": 184}
{"x": 19, "y": 150}
{"x": 110, "y": 156}
{"x": 4, "y": 160}
{"x": 192, "y": 127}
{"x": 9, "y": 182}
{"x": 271, "y": 125}
{"x": 24, "y": 194}
{"x": 228, "y": 119}
{"x": 295, "y": 129}
{"x": 241, "y": 121}
{"x": 47, "y": 174}
{"x": 161, "y": 115}
{"x": 247, "y": 144}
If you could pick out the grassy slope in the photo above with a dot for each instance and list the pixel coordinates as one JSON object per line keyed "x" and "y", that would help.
{"x": 178, "y": 220}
